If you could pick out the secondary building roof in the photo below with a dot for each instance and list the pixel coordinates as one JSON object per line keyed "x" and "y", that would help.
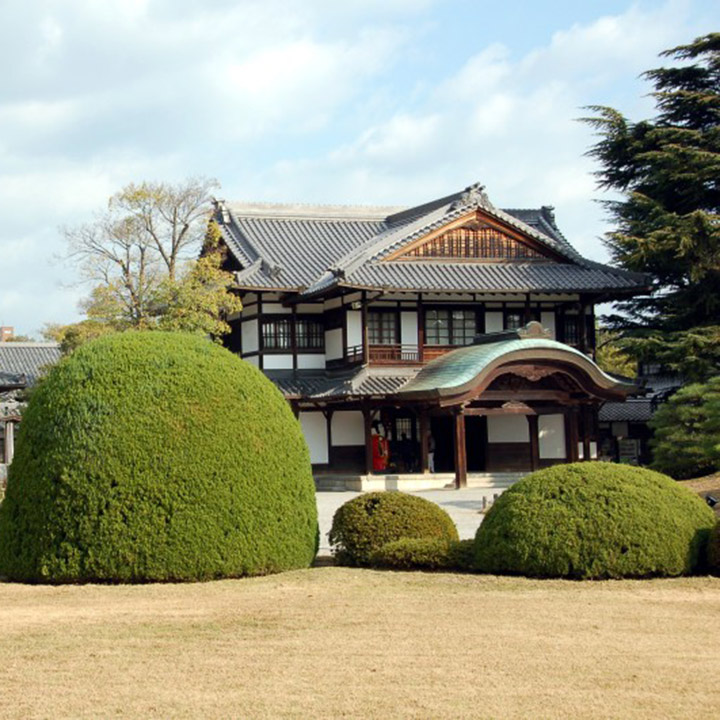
{"x": 314, "y": 250}
{"x": 21, "y": 363}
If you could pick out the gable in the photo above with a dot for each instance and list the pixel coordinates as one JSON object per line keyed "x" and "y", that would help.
{"x": 474, "y": 238}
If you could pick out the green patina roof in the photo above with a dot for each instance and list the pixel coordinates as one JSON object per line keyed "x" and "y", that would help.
{"x": 460, "y": 366}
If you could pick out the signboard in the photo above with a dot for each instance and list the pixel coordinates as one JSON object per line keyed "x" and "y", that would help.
{"x": 628, "y": 451}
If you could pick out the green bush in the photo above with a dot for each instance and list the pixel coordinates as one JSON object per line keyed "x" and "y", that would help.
{"x": 425, "y": 554}
{"x": 364, "y": 524}
{"x": 686, "y": 440}
{"x": 156, "y": 456}
{"x": 594, "y": 520}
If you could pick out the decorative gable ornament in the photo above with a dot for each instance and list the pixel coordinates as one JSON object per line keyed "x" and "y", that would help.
{"x": 534, "y": 331}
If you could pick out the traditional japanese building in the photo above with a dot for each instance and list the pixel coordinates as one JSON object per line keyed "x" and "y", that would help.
{"x": 21, "y": 364}
{"x": 448, "y": 340}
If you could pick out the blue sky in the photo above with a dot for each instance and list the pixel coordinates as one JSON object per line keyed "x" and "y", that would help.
{"x": 359, "y": 101}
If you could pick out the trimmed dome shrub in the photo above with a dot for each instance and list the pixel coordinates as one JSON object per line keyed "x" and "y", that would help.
{"x": 594, "y": 520}
{"x": 364, "y": 524}
{"x": 425, "y": 554}
{"x": 149, "y": 456}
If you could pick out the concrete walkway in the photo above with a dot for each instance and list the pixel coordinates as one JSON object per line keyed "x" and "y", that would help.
{"x": 463, "y": 507}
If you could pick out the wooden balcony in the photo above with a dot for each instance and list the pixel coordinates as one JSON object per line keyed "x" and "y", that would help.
{"x": 398, "y": 354}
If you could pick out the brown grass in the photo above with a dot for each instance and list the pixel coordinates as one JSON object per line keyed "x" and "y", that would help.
{"x": 335, "y": 642}
{"x": 708, "y": 485}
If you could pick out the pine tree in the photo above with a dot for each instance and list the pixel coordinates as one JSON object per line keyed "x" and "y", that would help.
{"x": 668, "y": 224}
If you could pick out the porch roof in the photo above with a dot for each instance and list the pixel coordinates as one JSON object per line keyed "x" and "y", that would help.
{"x": 458, "y": 370}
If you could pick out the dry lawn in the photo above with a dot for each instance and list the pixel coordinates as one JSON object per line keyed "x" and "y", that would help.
{"x": 335, "y": 642}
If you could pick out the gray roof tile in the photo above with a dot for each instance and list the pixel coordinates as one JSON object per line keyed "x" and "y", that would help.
{"x": 312, "y": 249}
{"x": 27, "y": 359}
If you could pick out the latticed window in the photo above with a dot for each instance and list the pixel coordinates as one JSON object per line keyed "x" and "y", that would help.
{"x": 277, "y": 334}
{"x": 571, "y": 325}
{"x": 514, "y": 320}
{"x": 309, "y": 334}
{"x": 477, "y": 243}
{"x": 382, "y": 328}
{"x": 450, "y": 327}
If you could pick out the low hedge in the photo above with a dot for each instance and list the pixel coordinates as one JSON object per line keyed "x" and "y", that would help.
{"x": 426, "y": 554}
{"x": 594, "y": 520}
{"x": 156, "y": 456}
{"x": 364, "y": 524}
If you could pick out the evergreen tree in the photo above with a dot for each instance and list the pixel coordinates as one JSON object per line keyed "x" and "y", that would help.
{"x": 668, "y": 222}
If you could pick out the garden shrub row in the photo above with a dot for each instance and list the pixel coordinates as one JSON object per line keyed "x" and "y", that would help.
{"x": 581, "y": 521}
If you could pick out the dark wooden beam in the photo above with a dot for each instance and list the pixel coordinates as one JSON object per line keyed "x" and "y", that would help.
{"x": 534, "y": 442}
{"x": 424, "y": 441}
{"x": 367, "y": 420}
{"x": 460, "y": 452}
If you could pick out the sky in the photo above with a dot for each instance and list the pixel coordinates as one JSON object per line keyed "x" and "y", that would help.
{"x": 386, "y": 102}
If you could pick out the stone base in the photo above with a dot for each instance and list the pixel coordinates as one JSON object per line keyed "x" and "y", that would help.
{"x": 412, "y": 482}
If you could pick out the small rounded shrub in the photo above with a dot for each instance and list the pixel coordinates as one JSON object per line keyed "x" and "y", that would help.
{"x": 594, "y": 520}
{"x": 156, "y": 456}
{"x": 425, "y": 554}
{"x": 364, "y": 524}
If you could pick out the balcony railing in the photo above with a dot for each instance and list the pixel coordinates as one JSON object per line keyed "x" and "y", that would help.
{"x": 395, "y": 354}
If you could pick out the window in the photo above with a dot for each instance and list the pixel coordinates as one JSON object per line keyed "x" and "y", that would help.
{"x": 450, "y": 327}
{"x": 277, "y": 334}
{"x": 572, "y": 329}
{"x": 309, "y": 334}
{"x": 514, "y": 319}
{"x": 382, "y": 328}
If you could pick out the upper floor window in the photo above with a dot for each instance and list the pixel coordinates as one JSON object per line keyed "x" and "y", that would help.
{"x": 571, "y": 326}
{"x": 310, "y": 334}
{"x": 450, "y": 327}
{"x": 514, "y": 319}
{"x": 281, "y": 334}
{"x": 382, "y": 328}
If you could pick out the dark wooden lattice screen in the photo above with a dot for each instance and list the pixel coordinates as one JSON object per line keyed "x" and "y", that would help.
{"x": 474, "y": 243}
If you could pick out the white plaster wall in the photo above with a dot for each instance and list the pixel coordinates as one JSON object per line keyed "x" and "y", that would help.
{"x": 276, "y": 308}
{"x": 494, "y": 321}
{"x": 551, "y": 437}
{"x": 309, "y": 361}
{"x": 333, "y": 344}
{"x": 277, "y": 362}
{"x": 310, "y": 308}
{"x": 348, "y": 428}
{"x": 354, "y": 328}
{"x": 508, "y": 429}
{"x": 547, "y": 320}
{"x": 254, "y": 360}
{"x": 249, "y": 311}
{"x": 409, "y": 328}
{"x": 315, "y": 431}
{"x": 249, "y": 335}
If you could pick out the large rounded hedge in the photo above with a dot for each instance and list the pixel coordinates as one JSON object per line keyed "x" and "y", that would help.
{"x": 594, "y": 520}
{"x": 156, "y": 456}
{"x": 364, "y": 524}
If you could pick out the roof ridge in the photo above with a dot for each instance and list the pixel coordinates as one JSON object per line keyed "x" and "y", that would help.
{"x": 299, "y": 211}
{"x": 23, "y": 344}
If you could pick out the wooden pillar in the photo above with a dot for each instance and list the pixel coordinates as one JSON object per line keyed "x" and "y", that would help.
{"x": 367, "y": 420}
{"x": 534, "y": 442}
{"x": 460, "y": 451}
{"x": 571, "y": 434}
{"x": 421, "y": 329}
{"x": 424, "y": 441}
{"x": 295, "y": 409}
{"x": 583, "y": 327}
{"x": 586, "y": 431}
{"x": 328, "y": 424}
{"x": 364, "y": 320}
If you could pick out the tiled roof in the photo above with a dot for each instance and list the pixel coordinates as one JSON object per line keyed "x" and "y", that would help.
{"x": 312, "y": 249}
{"x": 27, "y": 359}
{"x": 632, "y": 410}
{"x": 324, "y": 386}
